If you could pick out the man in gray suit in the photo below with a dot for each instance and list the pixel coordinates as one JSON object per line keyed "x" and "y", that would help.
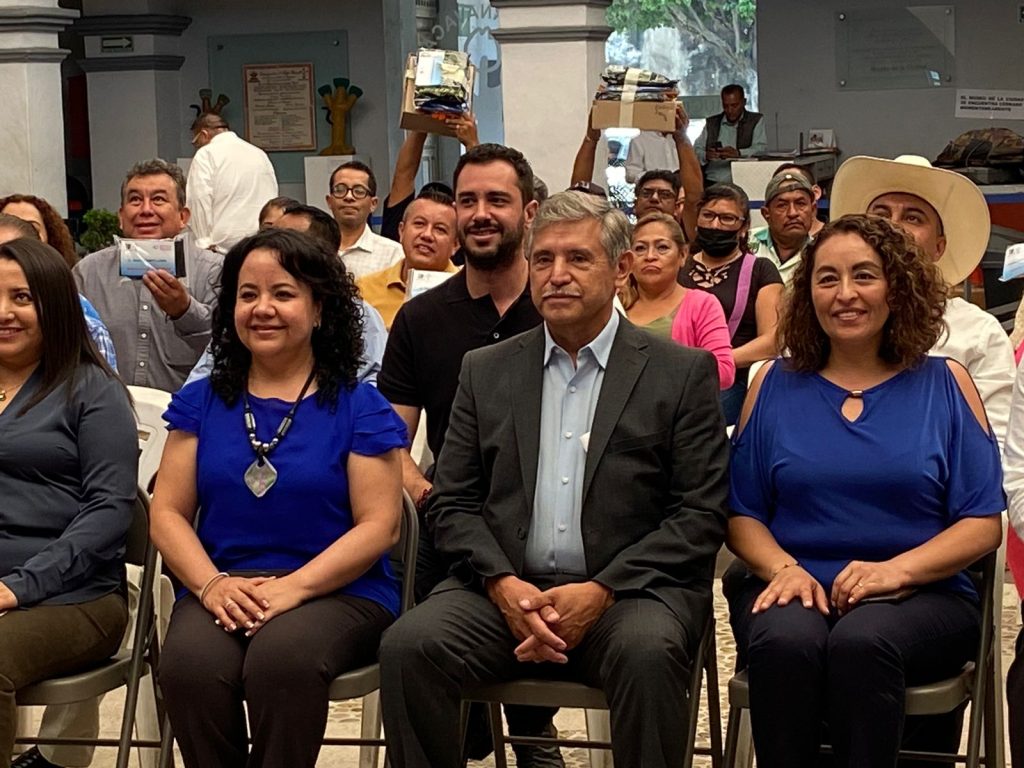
{"x": 581, "y": 492}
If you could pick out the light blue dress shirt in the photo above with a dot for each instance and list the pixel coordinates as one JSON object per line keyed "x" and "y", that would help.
{"x": 98, "y": 332}
{"x": 569, "y": 398}
{"x": 721, "y": 170}
{"x": 375, "y": 338}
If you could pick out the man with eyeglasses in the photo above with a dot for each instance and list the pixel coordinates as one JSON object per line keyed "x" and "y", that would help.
{"x": 656, "y": 191}
{"x": 352, "y": 197}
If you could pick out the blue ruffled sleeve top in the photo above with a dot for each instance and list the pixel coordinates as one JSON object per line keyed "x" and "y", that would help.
{"x": 830, "y": 490}
{"x": 307, "y": 508}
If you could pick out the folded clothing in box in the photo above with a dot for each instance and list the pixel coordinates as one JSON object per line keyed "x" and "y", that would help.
{"x": 632, "y": 84}
{"x": 442, "y": 82}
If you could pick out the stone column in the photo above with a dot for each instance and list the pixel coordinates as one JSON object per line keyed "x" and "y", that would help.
{"x": 552, "y": 54}
{"x": 32, "y": 125}
{"x": 131, "y": 64}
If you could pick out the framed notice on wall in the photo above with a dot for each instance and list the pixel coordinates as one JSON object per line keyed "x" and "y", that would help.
{"x": 279, "y": 106}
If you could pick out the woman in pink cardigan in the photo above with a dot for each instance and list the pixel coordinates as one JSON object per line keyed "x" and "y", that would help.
{"x": 656, "y": 301}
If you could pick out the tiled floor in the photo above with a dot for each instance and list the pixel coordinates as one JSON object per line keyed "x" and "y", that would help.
{"x": 344, "y": 718}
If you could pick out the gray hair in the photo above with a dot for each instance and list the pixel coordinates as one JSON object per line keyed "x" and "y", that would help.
{"x": 616, "y": 231}
{"x": 155, "y": 167}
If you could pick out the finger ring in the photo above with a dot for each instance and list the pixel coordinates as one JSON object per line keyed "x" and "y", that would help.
{"x": 229, "y": 603}
{"x": 860, "y": 584}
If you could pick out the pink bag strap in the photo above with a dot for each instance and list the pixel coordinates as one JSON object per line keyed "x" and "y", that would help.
{"x": 742, "y": 293}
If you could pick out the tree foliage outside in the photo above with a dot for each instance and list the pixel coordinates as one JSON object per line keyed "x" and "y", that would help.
{"x": 719, "y": 37}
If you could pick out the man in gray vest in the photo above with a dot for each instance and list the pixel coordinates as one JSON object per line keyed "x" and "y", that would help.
{"x": 731, "y": 134}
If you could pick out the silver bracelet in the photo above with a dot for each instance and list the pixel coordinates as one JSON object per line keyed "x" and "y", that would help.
{"x": 210, "y": 582}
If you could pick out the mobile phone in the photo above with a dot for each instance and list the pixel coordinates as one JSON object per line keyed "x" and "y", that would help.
{"x": 715, "y": 145}
{"x": 889, "y": 597}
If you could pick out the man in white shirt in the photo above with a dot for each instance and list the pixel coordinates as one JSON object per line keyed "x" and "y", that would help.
{"x": 229, "y": 181}
{"x": 948, "y": 218}
{"x": 650, "y": 151}
{"x": 352, "y": 197}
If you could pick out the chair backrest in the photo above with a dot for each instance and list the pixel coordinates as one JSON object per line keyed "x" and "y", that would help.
{"x": 408, "y": 546}
{"x": 150, "y": 405}
{"x": 138, "y": 534}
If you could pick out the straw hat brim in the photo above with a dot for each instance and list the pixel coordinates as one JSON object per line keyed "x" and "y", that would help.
{"x": 958, "y": 201}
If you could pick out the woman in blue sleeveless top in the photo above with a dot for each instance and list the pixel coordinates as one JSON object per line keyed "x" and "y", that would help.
{"x": 295, "y": 467}
{"x": 864, "y": 480}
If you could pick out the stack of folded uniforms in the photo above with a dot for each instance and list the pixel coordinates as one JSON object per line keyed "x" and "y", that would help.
{"x": 632, "y": 84}
{"x": 442, "y": 84}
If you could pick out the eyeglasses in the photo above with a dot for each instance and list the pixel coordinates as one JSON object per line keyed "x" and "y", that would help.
{"x": 359, "y": 192}
{"x": 647, "y": 193}
{"x": 727, "y": 219}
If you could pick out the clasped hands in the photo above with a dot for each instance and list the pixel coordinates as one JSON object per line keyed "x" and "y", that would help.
{"x": 239, "y": 602}
{"x": 857, "y": 581}
{"x": 551, "y": 622}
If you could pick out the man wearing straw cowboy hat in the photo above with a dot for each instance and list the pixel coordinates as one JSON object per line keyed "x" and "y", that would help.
{"x": 948, "y": 217}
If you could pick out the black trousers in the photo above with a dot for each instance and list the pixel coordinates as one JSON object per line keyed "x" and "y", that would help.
{"x": 638, "y": 652}
{"x": 282, "y": 673}
{"x": 850, "y": 672}
{"x": 1015, "y": 702}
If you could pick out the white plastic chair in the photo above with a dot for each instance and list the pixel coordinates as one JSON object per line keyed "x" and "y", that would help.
{"x": 150, "y": 405}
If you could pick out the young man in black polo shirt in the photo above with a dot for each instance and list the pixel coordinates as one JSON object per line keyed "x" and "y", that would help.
{"x": 488, "y": 301}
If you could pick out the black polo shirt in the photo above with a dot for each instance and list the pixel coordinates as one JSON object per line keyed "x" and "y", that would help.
{"x": 428, "y": 339}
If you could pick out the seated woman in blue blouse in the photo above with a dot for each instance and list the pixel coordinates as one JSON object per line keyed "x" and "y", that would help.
{"x": 864, "y": 480}
{"x": 68, "y": 466}
{"x": 296, "y": 469}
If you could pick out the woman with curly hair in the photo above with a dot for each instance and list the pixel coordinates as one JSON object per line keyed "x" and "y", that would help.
{"x": 296, "y": 469}
{"x": 45, "y": 220}
{"x": 865, "y": 478}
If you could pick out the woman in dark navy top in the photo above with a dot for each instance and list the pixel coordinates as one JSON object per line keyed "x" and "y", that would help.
{"x": 68, "y": 467}
{"x": 296, "y": 469}
{"x": 748, "y": 288}
{"x": 864, "y": 480}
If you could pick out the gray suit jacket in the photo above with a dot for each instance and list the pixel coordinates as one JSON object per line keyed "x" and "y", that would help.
{"x": 656, "y": 479}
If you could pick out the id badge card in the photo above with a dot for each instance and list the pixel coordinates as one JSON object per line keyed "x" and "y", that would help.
{"x": 137, "y": 257}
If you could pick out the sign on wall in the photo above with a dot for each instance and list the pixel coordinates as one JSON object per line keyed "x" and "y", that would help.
{"x": 279, "y": 106}
{"x": 895, "y": 47}
{"x": 1005, "y": 105}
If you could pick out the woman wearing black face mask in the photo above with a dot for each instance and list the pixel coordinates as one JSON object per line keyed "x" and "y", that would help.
{"x": 748, "y": 288}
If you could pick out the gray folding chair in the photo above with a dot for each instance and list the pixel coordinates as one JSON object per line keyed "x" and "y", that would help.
{"x": 556, "y": 693}
{"x": 365, "y": 681}
{"x": 126, "y": 668}
{"x": 975, "y": 683}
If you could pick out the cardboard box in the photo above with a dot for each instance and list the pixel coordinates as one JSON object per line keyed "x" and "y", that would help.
{"x": 645, "y": 115}
{"x": 412, "y": 120}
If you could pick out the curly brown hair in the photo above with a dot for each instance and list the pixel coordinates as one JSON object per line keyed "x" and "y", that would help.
{"x": 916, "y": 297}
{"x": 58, "y": 236}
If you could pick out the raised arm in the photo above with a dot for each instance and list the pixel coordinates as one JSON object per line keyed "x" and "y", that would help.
{"x": 403, "y": 180}
{"x": 583, "y": 165}
{"x": 690, "y": 174}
